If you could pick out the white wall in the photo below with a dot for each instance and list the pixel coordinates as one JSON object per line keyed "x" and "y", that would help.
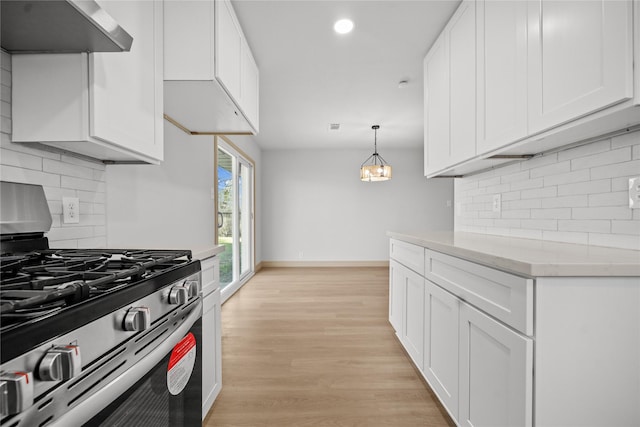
{"x": 578, "y": 195}
{"x": 168, "y": 205}
{"x": 314, "y": 202}
{"x": 61, "y": 174}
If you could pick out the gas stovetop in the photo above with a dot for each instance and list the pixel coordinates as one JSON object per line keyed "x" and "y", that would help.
{"x": 48, "y": 292}
{"x": 42, "y": 282}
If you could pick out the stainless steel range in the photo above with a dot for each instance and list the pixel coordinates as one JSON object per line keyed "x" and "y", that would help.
{"x": 94, "y": 337}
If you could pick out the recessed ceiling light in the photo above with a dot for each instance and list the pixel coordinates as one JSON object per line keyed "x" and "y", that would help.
{"x": 343, "y": 26}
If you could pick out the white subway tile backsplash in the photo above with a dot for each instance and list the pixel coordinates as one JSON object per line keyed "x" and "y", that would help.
{"x": 68, "y": 169}
{"x": 527, "y": 184}
{"x": 21, "y": 160}
{"x": 17, "y": 174}
{"x": 557, "y": 213}
{"x": 602, "y": 212}
{"x": 618, "y": 198}
{"x": 567, "y": 178}
{"x": 586, "y": 203}
{"x": 590, "y": 187}
{"x": 539, "y": 193}
{"x": 82, "y": 184}
{"x": 625, "y": 227}
{"x": 552, "y": 169}
{"x": 59, "y": 173}
{"x": 619, "y": 170}
{"x": 540, "y": 224}
{"x": 585, "y": 225}
{"x": 489, "y": 182}
{"x": 515, "y": 177}
{"x": 607, "y": 158}
{"x": 565, "y": 201}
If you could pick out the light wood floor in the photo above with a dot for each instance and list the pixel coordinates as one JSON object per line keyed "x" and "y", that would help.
{"x": 313, "y": 347}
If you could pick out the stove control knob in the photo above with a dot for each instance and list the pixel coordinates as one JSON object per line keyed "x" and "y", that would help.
{"x": 193, "y": 286}
{"x": 16, "y": 392}
{"x": 60, "y": 363}
{"x": 50, "y": 367}
{"x": 137, "y": 319}
{"x": 178, "y": 295}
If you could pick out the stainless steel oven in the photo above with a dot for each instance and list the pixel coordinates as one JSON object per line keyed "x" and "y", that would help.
{"x": 94, "y": 337}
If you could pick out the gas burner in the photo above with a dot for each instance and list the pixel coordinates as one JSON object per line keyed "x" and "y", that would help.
{"x": 43, "y": 281}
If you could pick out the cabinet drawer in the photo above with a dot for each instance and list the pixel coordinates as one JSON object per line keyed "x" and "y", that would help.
{"x": 408, "y": 254}
{"x": 505, "y": 296}
{"x": 210, "y": 274}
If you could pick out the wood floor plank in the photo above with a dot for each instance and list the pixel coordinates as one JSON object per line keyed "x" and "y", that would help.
{"x": 313, "y": 347}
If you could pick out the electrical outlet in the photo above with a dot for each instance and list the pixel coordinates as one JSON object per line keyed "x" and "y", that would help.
{"x": 634, "y": 193}
{"x": 497, "y": 203}
{"x": 70, "y": 210}
{"x": 300, "y": 255}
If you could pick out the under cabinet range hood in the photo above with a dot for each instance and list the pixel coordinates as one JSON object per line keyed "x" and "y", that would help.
{"x": 60, "y": 26}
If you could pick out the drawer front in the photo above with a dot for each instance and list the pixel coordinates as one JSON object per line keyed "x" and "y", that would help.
{"x": 408, "y": 254}
{"x": 210, "y": 274}
{"x": 505, "y": 296}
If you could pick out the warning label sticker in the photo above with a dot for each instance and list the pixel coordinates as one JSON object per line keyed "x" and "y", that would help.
{"x": 181, "y": 363}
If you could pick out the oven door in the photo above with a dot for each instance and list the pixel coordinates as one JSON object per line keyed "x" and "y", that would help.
{"x": 163, "y": 389}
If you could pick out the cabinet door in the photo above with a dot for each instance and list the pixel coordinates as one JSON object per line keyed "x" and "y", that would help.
{"x": 441, "y": 326}
{"x": 125, "y": 89}
{"x": 496, "y": 372}
{"x": 501, "y": 73}
{"x": 211, "y": 351}
{"x": 580, "y": 59}
{"x": 436, "y": 107}
{"x": 396, "y": 298}
{"x": 413, "y": 322}
{"x": 249, "y": 86}
{"x": 462, "y": 83}
{"x": 228, "y": 44}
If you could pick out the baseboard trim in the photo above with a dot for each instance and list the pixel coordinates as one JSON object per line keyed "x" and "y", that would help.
{"x": 286, "y": 264}
{"x": 259, "y": 266}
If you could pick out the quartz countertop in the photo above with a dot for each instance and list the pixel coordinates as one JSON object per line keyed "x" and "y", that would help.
{"x": 529, "y": 257}
{"x": 206, "y": 252}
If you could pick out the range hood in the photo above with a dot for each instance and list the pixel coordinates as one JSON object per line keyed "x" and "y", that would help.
{"x": 60, "y": 26}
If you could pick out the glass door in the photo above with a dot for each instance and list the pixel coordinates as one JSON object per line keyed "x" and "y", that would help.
{"x": 235, "y": 217}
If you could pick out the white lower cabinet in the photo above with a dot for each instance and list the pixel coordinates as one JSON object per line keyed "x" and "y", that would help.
{"x": 480, "y": 368}
{"x": 496, "y": 372}
{"x": 211, "y": 334}
{"x": 396, "y": 296}
{"x": 413, "y": 321}
{"x": 441, "y": 326}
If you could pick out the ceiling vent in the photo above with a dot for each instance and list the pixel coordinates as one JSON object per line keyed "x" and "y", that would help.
{"x": 334, "y": 126}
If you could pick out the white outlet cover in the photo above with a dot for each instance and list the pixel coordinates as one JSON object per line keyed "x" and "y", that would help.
{"x": 70, "y": 210}
{"x": 497, "y": 203}
{"x": 634, "y": 193}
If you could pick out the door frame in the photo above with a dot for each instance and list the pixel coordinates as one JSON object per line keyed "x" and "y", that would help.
{"x": 221, "y": 141}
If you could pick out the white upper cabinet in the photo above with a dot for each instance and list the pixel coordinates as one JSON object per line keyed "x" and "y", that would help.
{"x": 436, "y": 107}
{"x": 545, "y": 74}
{"x": 450, "y": 111}
{"x": 211, "y": 78}
{"x": 104, "y": 105}
{"x": 580, "y": 59}
{"x": 462, "y": 67}
{"x": 501, "y": 73}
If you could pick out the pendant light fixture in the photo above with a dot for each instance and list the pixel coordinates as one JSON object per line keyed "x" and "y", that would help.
{"x": 377, "y": 169}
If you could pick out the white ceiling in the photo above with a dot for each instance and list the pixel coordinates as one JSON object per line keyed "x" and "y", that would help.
{"x": 311, "y": 76}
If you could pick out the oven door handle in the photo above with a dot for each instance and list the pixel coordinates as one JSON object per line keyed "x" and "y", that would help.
{"x": 84, "y": 411}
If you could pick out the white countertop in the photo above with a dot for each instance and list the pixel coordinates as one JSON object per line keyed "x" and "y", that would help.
{"x": 536, "y": 258}
{"x": 206, "y": 252}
